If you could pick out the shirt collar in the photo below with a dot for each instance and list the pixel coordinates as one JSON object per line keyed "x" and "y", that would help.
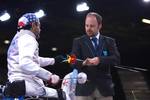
{"x": 97, "y": 36}
{"x": 27, "y": 32}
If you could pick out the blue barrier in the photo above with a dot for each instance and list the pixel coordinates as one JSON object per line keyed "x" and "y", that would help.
{"x": 10, "y": 98}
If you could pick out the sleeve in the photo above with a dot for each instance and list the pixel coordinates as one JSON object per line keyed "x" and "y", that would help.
{"x": 28, "y": 61}
{"x": 46, "y": 61}
{"x": 114, "y": 56}
{"x": 76, "y": 50}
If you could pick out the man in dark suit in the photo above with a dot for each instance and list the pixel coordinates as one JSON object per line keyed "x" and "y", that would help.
{"x": 99, "y": 54}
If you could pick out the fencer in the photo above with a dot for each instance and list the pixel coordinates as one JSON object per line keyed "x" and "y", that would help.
{"x": 25, "y": 66}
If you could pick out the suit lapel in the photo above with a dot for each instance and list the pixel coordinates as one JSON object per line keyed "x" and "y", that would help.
{"x": 100, "y": 45}
{"x": 89, "y": 44}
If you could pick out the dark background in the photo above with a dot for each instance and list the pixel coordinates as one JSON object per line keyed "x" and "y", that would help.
{"x": 121, "y": 20}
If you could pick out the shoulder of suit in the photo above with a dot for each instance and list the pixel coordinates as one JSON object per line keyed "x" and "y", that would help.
{"x": 81, "y": 37}
{"x": 108, "y": 38}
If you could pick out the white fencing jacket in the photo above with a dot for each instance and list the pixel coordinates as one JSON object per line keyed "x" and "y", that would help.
{"x": 23, "y": 59}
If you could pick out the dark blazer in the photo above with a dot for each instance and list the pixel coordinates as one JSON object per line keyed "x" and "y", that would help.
{"x": 99, "y": 76}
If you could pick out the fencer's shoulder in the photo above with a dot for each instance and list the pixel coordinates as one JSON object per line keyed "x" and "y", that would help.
{"x": 26, "y": 33}
{"x": 26, "y": 37}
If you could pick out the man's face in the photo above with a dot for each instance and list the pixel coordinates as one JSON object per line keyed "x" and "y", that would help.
{"x": 36, "y": 29}
{"x": 91, "y": 26}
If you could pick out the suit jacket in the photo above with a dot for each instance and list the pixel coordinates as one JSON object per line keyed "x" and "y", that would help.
{"x": 99, "y": 76}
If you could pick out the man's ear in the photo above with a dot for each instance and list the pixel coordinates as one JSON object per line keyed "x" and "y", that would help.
{"x": 100, "y": 26}
{"x": 33, "y": 26}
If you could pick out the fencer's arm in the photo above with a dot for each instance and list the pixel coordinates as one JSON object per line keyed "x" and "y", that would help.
{"x": 50, "y": 61}
{"x": 45, "y": 61}
{"x": 28, "y": 61}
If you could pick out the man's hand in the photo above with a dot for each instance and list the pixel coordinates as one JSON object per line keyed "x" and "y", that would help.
{"x": 59, "y": 59}
{"x": 95, "y": 61}
{"x": 91, "y": 61}
{"x": 86, "y": 62}
{"x": 54, "y": 79}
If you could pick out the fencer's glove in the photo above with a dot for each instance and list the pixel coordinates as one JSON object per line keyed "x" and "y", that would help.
{"x": 54, "y": 79}
{"x": 59, "y": 59}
